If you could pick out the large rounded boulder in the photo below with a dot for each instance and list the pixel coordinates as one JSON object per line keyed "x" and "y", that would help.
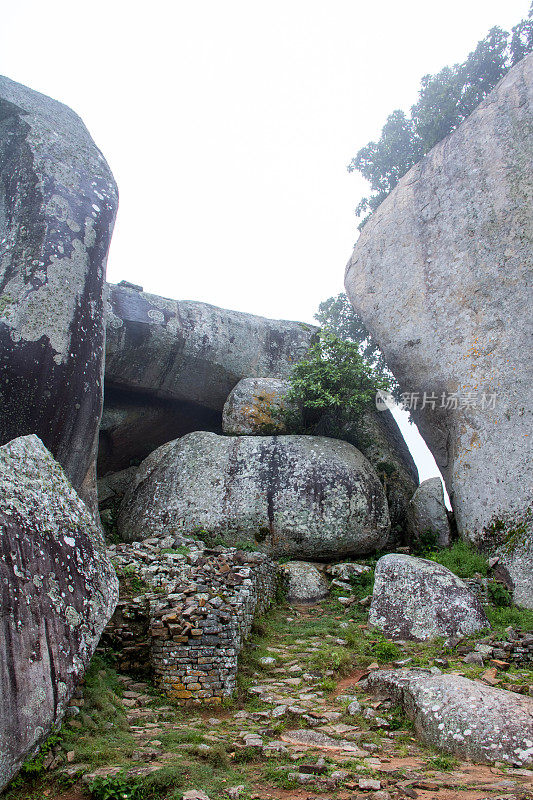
{"x": 58, "y": 202}
{"x": 418, "y": 599}
{"x": 304, "y": 496}
{"x": 305, "y": 583}
{"x": 59, "y": 589}
{"x": 441, "y": 277}
{"x": 427, "y": 513}
{"x": 461, "y": 716}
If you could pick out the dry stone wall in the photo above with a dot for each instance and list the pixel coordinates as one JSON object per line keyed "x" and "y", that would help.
{"x": 191, "y": 622}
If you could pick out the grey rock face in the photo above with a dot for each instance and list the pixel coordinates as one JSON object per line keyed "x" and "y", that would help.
{"x": 134, "y": 425}
{"x": 463, "y": 717}
{"x": 58, "y": 591}
{"x": 193, "y": 352}
{"x": 448, "y": 255}
{"x": 427, "y": 512}
{"x": 418, "y": 599}
{"x": 302, "y": 496}
{"x": 170, "y": 366}
{"x": 253, "y": 407}
{"x": 111, "y": 491}
{"x": 305, "y": 583}
{"x": 376, "y": 435}
{"x": 379, "y": 438}
{"x": 347, "y": 570}
{"x": 57, "y": 207}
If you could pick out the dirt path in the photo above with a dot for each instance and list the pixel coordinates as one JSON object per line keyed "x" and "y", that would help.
{"x": 301, "y": 728}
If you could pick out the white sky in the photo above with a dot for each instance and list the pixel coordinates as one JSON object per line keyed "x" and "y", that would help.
{"x": 228, "y": 125}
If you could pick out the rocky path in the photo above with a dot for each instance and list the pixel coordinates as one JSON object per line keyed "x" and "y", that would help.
{"x": 301, "y": 728}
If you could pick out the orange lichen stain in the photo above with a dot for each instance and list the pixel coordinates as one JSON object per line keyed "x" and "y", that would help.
{"x": 259, "y": 412}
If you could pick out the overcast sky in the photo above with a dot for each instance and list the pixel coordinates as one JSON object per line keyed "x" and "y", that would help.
{"x": 228, "y": 125}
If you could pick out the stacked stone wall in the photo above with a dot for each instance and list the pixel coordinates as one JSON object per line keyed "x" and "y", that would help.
{"x": 193, "y": 618}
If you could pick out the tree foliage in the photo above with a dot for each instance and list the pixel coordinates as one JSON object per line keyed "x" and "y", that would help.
{"x": 336, "y": 315}
{"x": 444, "y": 101}
{"x": 335, "y": 379}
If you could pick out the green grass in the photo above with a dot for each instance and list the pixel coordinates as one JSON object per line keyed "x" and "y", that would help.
{"x": 443, "y": 763}
{"x": 172, "y": 740}
{"x": 371, "y": 645}
{"x": 177, "y": 551}
{"x": 104, "y": 736}
{"x": 501, "y": 618}
{"x": 461, "y": 559}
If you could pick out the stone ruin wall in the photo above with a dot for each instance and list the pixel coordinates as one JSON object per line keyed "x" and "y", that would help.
{"x": 190, "y": 623}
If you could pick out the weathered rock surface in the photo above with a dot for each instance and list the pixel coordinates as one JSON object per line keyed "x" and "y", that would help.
{"x": 254, "y": 407}
{"x": 303, "y": 496}
{"x": 427, "y": 512}
{"x": 347, "y": 570}
{"x": 134, "y": 425}
{"x": 379, "y": 438}
{"x": 191, "y": 351}
{"x": 112, "y": 488}
{"x": 418, "y": 599}
{"x": 305, "y": 583}
{"x": 463, "y": 717}
{"x": 320, "y": 741}
{"x": 170, "y": 366}
{"x": 441, "y": 277}
{"x": 57, "y": 207}
{"x": 58, "y": 591}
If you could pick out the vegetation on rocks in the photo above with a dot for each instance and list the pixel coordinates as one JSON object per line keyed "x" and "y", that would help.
{"x": 444, "y": 101}
{"x": 337, "y": 315}
{"x": 335, "y": 379}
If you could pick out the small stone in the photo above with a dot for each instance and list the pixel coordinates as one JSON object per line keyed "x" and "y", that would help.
{"x": 195, "y": 794}
{"x": 484, "y": 649}
{"x": 342, "y": 585}
{"x": 366, "y": 784}
{"x": 313, "y": 769}
{"x": 354, "y": 708}
{"x": 339, "y": 775}
{"x": 71, "y": 755}
{"x": 407, "y": 789}
{"x": 234, "y": 792}
{"x": 301, "y": 777}
{"x": 473, "y": 658}
{"x": 489, "y": 676}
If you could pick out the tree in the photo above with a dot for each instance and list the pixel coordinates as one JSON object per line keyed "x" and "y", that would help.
{"x": 444, "y": 101}
{"x": 522, "y": 38}
{"x": 384, "y": 162}
{"x": 337, "y": 315}
{"x": 334, "y": 381}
